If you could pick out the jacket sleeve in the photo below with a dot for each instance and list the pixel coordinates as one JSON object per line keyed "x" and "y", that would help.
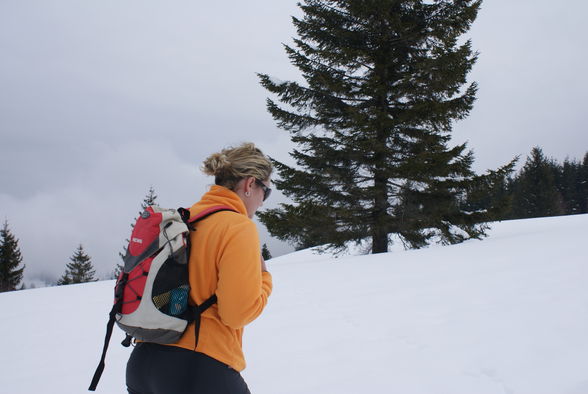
{"x": 242, "y": 290}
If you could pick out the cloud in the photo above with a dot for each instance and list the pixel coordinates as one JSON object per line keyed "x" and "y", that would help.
{"x": 98, "y": 204}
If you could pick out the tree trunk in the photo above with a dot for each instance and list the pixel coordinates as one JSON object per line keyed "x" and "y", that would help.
{"x": 380, "y": 212}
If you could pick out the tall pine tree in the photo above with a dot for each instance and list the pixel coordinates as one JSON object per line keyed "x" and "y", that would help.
{"x": 149, "y": 199}
{"x": 11, "y": 271}
{"x": 80, "y": 270}
{"x": 385, "y": 81}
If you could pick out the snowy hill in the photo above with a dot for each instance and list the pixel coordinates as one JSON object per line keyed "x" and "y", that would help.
{"x": 505, "y": 315}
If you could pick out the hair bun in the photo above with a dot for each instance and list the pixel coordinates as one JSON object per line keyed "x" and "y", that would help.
{"x": 216, "y": 164}
{"x": 232, "y": 164}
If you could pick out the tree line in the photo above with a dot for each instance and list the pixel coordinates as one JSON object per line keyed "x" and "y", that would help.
{"x": 542, "y": 187}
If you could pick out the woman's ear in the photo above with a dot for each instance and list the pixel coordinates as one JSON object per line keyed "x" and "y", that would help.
{"x": 249, "y": 183}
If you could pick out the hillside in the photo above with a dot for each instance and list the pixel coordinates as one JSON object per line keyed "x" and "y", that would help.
{"x": 505, "y": 315}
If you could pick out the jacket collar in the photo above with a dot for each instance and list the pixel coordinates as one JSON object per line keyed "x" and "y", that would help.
{"x": 219, "y": 195}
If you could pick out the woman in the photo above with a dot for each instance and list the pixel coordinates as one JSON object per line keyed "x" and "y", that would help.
{"x": 225, "y": 260}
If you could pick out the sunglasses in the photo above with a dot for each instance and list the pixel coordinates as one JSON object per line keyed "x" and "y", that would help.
{"x": 266, "y": 190}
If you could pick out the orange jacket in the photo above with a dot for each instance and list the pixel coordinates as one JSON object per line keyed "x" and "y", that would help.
{"x": 225, "y": 259}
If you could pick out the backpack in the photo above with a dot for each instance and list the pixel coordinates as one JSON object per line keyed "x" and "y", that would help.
{"x": 152, "y": 291}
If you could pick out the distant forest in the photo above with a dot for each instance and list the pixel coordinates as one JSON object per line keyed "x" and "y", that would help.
{"x": 542, "y": 187}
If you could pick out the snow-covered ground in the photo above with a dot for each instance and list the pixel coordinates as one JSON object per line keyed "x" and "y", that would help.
{"x": 506, "y": 315}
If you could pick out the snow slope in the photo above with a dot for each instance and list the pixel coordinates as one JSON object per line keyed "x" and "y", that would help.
{"x": 505, "y": 315}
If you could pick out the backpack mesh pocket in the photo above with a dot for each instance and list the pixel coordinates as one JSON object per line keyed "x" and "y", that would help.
{"x": 171, "y": 290}
{"x": 173, "y": 302}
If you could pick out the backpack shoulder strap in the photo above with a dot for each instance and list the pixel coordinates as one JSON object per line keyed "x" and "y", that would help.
{"x": 207, "y": 212}
{"x": 116, "y": 308}
{"x": 185, "y": 214}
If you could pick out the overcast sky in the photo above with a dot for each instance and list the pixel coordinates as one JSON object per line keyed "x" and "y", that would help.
{"x": 101, "y": 100}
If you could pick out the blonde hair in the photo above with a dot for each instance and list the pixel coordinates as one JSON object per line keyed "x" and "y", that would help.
{"x": 232, "y": 164}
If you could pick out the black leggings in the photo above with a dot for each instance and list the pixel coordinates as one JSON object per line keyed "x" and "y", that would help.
{"x": 160, "y": 369}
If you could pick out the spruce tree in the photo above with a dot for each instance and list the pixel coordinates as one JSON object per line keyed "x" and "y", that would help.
{"x": 385, "y": 80}
{"x": 80, "y": 270}
{"x": 149, "y": 199}
{"x": 11, "y": 271}
{"x": 535, "y": 193}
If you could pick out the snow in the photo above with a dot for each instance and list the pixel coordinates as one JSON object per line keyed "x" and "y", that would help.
{"x": 276, "y": 81}
{"x": 506, "y": 315}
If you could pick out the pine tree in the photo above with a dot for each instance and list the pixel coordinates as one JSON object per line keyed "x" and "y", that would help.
{"x": 147, "y": 201}
{"x": 80, "y": 270}
{"x": 534, "y": 190}
{"x": 265, "y": 253}
{"x": 11, "y": 271}
{"x": 385, "y": 81}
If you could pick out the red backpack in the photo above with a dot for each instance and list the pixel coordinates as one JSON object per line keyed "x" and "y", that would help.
{"x": 152, "y": 291}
